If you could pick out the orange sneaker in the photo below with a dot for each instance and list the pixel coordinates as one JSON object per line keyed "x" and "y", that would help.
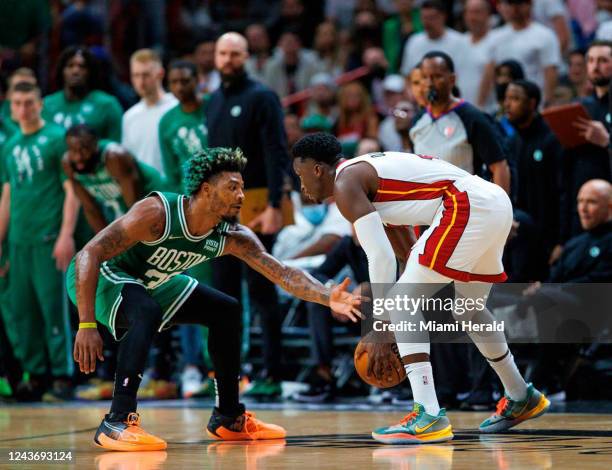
{"x": 244, "y": 427}
{"x": 123, "y": 432}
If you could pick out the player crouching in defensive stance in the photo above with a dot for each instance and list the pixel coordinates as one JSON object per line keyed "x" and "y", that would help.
{"x": 469, "y": 220}
{"x": 129, "y": 278}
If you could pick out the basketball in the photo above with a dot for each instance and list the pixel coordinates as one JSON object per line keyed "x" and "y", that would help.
{"x": 394, "y": 369}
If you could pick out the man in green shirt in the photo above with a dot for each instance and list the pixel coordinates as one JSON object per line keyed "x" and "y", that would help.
{"x": 42, "y": 209}
{"x": 78, "y": 102}
{"x": 183, "y": 133}
{"x": 106, "y": 178}
{"x": 22, "y": 74}
{"x": 182, "y": 130}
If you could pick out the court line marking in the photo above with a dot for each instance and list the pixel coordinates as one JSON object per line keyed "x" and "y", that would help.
{"x": 40, "y": 436}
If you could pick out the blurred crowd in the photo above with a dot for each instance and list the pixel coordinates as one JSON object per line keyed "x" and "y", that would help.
{"x": 105, "y": 100}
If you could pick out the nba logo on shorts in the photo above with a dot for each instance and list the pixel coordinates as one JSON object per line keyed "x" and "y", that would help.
{"x": 425, "y": 380}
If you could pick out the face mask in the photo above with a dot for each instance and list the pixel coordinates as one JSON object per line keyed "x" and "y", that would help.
{"x": 315, "y": 213}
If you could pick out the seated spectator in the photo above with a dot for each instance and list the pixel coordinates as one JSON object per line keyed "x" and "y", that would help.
{"x": 356, "y": 118}
{"x": 368, "y": 146}
{"x": 374, "y": 59}
{"x": 417, "y": 89}
{"x": 326, "y": 47}
{"x": 393, "y": 91}
{"x": 293, "y": 129}
{"x": 323, "y": 99}
{"x": 317, "y": 228}
{"x": 576, "y": 78}
{"x": 346, "y": 252}
{"x": 259, "y": 50}
{"x": 393, "y": 132}
{"x": 315, "y": 123}
{"x": 209, "y": 78}
{"x": 506, "y": 72}
{"x": 553, "y": 14}
{"x": 291, "y": 70}
{"x": 81, "y": 25}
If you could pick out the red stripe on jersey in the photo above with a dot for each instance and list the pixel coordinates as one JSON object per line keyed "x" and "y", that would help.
{"x": 396, "y": 190}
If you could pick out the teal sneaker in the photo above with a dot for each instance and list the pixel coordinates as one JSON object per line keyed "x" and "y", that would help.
{"x": 264, "y": 390}
{"x": 509, "y": 412}
{"x": 416, "y": 428}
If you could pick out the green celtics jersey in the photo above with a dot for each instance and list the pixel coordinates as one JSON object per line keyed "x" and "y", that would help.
{"x": 99, "y": 110}
{"x": 34, "y": 170}
{"x": 105, "y": 189}
{"x": 7, "y": 129}
{"x": 177, "y": 250}
{"x": 181, "y": 134}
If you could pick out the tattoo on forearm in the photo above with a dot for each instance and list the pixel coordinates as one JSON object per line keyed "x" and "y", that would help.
{"x": 112, "y": 241}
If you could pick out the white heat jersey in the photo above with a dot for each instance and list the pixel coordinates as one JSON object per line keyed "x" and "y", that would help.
{"x": 468, "y": 217}
{"x": 411, "y": 188}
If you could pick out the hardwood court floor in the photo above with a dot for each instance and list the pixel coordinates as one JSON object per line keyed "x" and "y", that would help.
{"x": 318, "y": 440}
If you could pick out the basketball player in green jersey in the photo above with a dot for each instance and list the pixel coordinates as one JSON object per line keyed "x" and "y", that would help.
{"x": 130, "y": 278}
{"x": 106, "y": 178}
{"x": 42, "y": 208}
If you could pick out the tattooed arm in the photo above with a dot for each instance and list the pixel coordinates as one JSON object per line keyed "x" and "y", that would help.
{"x": 244, "y": 244}
{"x": 144, "y": 222}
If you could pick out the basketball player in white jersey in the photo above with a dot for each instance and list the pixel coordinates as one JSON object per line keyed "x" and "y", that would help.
{"x": 469, "y": 220}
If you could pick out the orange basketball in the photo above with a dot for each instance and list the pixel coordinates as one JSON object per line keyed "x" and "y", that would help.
{"x": 393, "y": 367}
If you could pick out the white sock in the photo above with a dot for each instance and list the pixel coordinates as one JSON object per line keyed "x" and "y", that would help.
{"x": 511, "y": 378}
{"x": 420, "y": 375}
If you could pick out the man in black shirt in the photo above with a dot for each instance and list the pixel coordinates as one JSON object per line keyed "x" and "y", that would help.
{"x": 589, "y": 161}
{"x": 536, "y": 155}
{"x": 243, "y": 113}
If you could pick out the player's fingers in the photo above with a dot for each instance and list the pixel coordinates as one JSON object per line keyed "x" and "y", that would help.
{"x": 358, "y": 313}
{"x": 344, "y": 284}
{"x": 85, "y": 361}
{"x": 75, "y": 353}
{"x": 92, "y": 360}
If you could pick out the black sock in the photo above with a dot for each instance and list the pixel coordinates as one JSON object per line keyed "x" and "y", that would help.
{"x": 227, "y": 396}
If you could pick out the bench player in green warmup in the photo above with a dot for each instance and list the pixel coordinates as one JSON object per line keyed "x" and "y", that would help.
{"x": 106, "y": 178}
{"x": 130, "y": 278}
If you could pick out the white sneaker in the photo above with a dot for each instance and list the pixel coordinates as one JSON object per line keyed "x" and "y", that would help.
{"x": 191, "y": 381}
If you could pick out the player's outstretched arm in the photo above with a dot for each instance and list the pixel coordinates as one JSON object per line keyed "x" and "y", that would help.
{"x": 144, "y": 222}
{"x": 244, "y": 244}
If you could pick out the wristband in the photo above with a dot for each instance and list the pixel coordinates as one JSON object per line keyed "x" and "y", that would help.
{"x": 87, "y": 325}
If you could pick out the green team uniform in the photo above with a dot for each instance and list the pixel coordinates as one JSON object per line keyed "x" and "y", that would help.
{"x": 157, "y": 266}
{"x": 38, "y": 316}
{"x": 181, "y": 135}
{"x": 7, "y": 126}
{"x": 99, "y": 110}
{"x": 106, "y": 191}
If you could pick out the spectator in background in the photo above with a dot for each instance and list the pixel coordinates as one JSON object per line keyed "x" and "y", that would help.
{"x": 204, "y": 56}
{"x": 22, "y": 74}
{"x": 292, "y": 70}
{"x": 79, "y": 101}
{"x": 454, "y": 130}
{"x": 294, "y": 16}
{"x": 42, "y": 210}
{"x": 356, "y": 118}
{"x": 576, "y": 78}
{"x": 81, "y": 25}
{"x": 589, "y": 161}
{"x": 259, "y": 50}
{"x": 436, "y": 37}
{"x": 365, "y": 34}
{"x": 505, "y": 73}
{"x": 397, "y": 30}
{"x": 182, "y": 130}
{"x": 323, "y": 98}
{"x": 326, "y": 46}
{"x": 475, "y": 87}
{"x": 293, "y": 129}
{"x": 393, "y": 91}
{"x": 394, "y": 131}
{"x": 553, "y": 14}
{"x": 346, "y": 253}
{"x": 141, "y": 122}
{"x": 368, "y": 145}
{"x": 374, "y": 59}
{"x": 536, "y": 153}
{"x": 243, "y": 113}
{"x": 417, "y": 88}
{"x": 533, "y": 45}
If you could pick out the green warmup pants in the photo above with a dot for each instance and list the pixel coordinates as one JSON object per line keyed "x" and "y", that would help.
{"x": 37, "y": 323}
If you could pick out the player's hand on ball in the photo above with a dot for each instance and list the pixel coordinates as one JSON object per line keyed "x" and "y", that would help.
{"x": 344, "y": 303}
{"x": 379, "y": 365}
{"x": 87, "y": 347}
